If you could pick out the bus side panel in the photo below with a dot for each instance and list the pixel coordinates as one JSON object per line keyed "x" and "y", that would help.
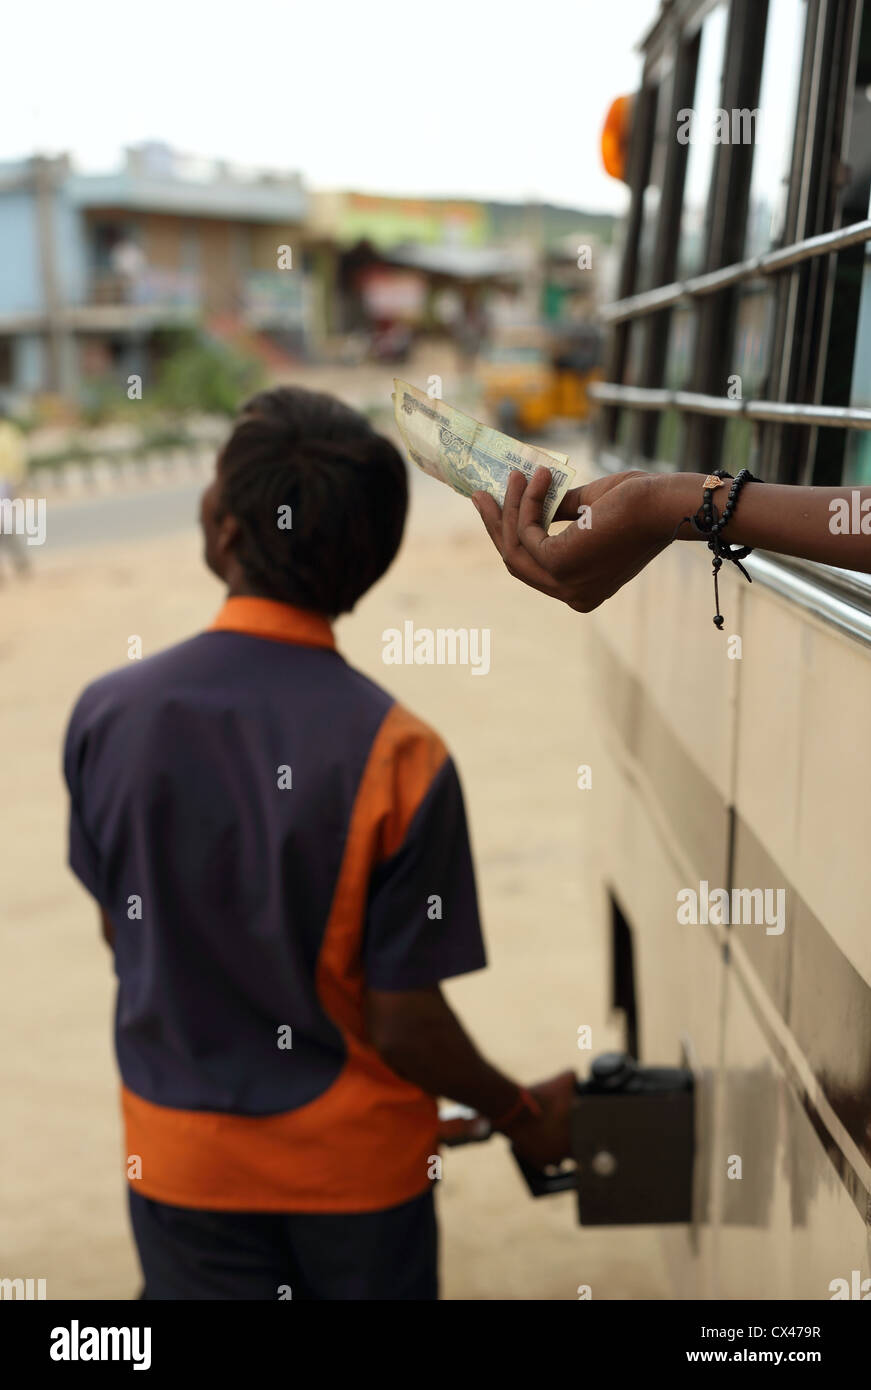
{"x": 787, "y": 1225}
{"x": 803, "y": 778}
{"x": 665, "y": 711}
{"x": 803, "y": 772}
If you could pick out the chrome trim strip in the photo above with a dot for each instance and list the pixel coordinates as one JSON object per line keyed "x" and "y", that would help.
{"x": 786, "y": 412}
{"x": 771, "y": 263}
{"x": 640, "y": 397}
{"x": 840, "y": 598}
{"x": 815, "y": 591}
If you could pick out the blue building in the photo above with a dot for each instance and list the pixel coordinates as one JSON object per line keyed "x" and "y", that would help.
{"x": 93, "y": 268}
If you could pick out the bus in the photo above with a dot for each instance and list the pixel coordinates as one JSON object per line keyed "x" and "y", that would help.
{"x": 737, "y": 763}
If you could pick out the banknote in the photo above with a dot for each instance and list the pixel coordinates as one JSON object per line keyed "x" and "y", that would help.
{"x": 471, "y": 457}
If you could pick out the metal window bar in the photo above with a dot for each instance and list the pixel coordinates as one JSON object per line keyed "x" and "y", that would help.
{"x": 779, "y": 412}
{"x": 771, "y": 263}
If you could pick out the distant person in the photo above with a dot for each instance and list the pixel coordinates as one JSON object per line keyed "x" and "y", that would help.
{"x": 13, "y": 471}
{"x": 472, "y": 332}
{"x": 280, "y": 856}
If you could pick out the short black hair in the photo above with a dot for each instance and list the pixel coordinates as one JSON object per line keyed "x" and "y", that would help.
{"x": 346, "y": 486}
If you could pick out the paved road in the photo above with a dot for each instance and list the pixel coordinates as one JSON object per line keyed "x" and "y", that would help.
{"x": 89, "y": 521}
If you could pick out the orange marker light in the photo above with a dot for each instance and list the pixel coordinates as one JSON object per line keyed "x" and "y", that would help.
{"x": 615, "y": 136}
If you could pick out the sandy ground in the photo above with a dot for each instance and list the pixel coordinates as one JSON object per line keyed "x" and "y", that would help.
{"x": 517, "y": 737}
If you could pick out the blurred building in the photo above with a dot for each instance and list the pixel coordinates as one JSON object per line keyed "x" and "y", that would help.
{"x": 93, "y": 268}
{"x": 452, "y": 266}
{"x": 392, "y": 267}
{"x": 578, "y": 271}
{"x": 96, "y": 270}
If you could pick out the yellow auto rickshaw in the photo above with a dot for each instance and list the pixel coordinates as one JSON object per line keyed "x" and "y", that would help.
{"x": 535, "y": 376}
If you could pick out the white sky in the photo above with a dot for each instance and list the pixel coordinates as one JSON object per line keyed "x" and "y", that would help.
{"x": 481, "y": 98}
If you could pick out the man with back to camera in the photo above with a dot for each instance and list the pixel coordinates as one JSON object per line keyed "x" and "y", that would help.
{"x": 265, "y": 831}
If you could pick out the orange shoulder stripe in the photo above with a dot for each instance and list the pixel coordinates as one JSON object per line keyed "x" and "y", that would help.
{"x": 405, "y": 757}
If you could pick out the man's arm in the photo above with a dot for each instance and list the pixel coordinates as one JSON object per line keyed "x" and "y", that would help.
{"x": 418, "y": 1036}
{"x": 407, "y": 952}
{"x": 107, "y": 929}
{"x": 781, "y": 517}
{"x": 626, "y": 519}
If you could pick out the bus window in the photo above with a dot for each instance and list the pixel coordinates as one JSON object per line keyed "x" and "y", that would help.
{"x": 769, "y": 187}
{"x": 772, "y": 153}
{"x": 651, "y": 200}
{"x": 853, "y": 283}
{"x": 652, "y": 196}
{"x": 692, "y": 241}
{"x": 632, "y": 377}
{"x": 857, "y": 463}
{"x": 692, "y": 235}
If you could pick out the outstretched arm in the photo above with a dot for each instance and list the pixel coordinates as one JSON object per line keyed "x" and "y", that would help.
{"x": 631, "y": 517}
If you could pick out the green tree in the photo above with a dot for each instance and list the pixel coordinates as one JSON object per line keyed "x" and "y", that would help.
{"x": 207, "y": 376}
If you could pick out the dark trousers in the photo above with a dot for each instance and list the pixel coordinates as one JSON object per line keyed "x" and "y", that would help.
{"x": 189, "y": 1254}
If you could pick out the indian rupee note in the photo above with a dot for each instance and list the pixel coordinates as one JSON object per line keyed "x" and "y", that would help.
{"x": 471, "y": 457}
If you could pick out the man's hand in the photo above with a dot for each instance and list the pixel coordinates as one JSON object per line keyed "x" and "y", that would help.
{"x": 546, "y": 1139}
{"x": 585, "y": 563}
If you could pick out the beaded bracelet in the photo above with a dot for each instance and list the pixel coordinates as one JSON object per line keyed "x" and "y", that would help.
{"x": 708, "y": 522}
